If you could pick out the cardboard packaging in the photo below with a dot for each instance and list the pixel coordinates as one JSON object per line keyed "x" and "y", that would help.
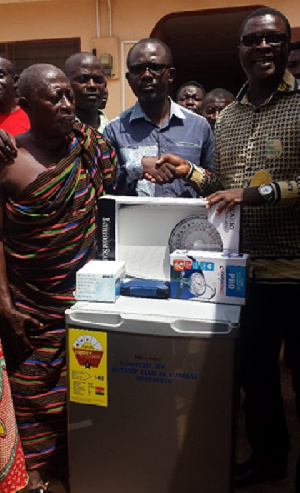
{"x": 143, "y": 231}
{"x": 99, "y": 281}
{"x": 216, "y": 277}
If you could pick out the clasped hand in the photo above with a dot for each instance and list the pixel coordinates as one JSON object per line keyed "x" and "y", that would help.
{"x": 165, "y": 168}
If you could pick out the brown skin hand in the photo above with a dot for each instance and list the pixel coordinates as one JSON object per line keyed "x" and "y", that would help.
{"x": 166, "y": 168}
{"x": 228, "y": 199}
{"x": 156, "y": 172}
{"x": 8, "y": 147}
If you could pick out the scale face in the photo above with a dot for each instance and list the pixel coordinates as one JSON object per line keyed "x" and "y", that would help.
{"x": 197, "y": 284}
{"x": 195, "y": 233}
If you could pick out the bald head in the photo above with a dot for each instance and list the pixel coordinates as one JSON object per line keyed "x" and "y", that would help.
{"x": 8, "y": 100}
{"x": 8, "y": 65}
{"x": 37, "y": 76}
{"x": 74, "y": 62}
{"x": 47, "y": 97}
{"x": 88, "y": 82}
{"x": 139, "y": 46}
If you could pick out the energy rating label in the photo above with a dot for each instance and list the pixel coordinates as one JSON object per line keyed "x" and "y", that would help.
{"x": 88, "y": 366}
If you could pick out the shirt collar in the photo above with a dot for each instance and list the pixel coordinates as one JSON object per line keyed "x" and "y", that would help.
{"x": 138, "y": 113}
{"x": 288, "y": 83}
{"x": 100, "y": 113}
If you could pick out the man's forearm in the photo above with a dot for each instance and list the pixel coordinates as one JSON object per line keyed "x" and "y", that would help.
{"x": 6, "y": 303}
{"x": 202, "y": 180}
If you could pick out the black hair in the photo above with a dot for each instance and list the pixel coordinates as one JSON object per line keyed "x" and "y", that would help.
{"x": 218, "y": 92}
{"x": 190, "y": 83}
{"x": 152, "y": 40}
{"x": 265, "y": 11}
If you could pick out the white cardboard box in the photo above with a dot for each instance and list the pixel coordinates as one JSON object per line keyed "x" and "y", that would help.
{"x": 139, "y": 230}
{"x": 217, "y": 277}
{"x": 99, "y": 281}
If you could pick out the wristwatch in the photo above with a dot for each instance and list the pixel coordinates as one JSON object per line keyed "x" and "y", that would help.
{"x": 266, "y": 191}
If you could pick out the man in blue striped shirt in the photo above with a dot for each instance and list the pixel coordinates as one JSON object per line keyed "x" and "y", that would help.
{"x": 156, "y": 126}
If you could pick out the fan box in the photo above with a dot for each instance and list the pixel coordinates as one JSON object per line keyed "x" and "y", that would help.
{"x": 216, "y": 277}
{"x": 99, "y": 280}
{"x": 138, "y": 231}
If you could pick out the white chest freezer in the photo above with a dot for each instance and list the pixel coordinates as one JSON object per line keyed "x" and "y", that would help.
{"x": 152, "y": 396}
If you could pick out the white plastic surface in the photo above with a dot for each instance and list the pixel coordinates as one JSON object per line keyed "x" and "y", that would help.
{"x": 160, "y": 310}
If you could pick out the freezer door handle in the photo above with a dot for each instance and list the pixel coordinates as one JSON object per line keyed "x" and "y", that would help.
{"x": 203, "y": 327}
{"x": 109, "y": 320}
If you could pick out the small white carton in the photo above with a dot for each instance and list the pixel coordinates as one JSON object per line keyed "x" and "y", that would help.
{"x": 100, "y": 280}
{"x": 218, "y": 277}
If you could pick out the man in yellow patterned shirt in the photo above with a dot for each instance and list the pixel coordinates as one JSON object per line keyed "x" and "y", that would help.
{"x": 257, "y": 165}
{"x": 258, "y": 161}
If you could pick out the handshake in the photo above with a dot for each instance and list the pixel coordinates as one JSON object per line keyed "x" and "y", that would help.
{"x": 165, "y": 168}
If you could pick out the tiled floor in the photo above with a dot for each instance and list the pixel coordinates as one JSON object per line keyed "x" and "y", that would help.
{"x": 243, "y": 451}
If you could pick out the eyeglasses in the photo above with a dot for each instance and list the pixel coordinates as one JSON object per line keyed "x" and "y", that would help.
{"x": 272, "y": 38}
{"x": 154, "y": 68}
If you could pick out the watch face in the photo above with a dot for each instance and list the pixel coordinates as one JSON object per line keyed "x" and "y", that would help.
{"x": 197, "y": 284}
{"x": 266, "y": 189}
{"x": 266, "y": 192}
{"x": 195, "y": 233}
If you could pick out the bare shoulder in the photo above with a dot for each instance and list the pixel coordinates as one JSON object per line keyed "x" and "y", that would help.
{"x": 23, "y": 162}
{"x": 20, "y": 172}
{"x": 24, "y": 157}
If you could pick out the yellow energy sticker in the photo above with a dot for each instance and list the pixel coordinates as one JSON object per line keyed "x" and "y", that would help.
{"x": 88, "y": 366}
{"x": 261, "y": 177}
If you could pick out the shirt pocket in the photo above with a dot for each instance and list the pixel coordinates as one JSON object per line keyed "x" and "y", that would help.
{"x": 186, "y": 150}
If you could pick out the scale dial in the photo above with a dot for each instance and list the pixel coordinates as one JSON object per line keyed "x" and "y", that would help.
{"x": 195, "y": 233}
{"x": 197, "y": 284}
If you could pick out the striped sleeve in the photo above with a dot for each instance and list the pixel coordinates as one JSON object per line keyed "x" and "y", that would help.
{"x": 108, "y": 162}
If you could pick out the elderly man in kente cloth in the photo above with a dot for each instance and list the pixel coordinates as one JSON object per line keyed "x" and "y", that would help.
{"x": 48, "y": 231}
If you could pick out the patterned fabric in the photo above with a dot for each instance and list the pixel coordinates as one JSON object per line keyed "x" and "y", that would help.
{"x": 13, "y": 474}
{"x": 102, "y": 119}
{"x": 133, "y": 135}
{"x": 262, "y": 145}
{"x": 50, "y": 232}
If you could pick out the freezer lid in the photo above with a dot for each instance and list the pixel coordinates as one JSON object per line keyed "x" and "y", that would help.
{"x": 171, "y": 201}
{"x": 177, "y": 316}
